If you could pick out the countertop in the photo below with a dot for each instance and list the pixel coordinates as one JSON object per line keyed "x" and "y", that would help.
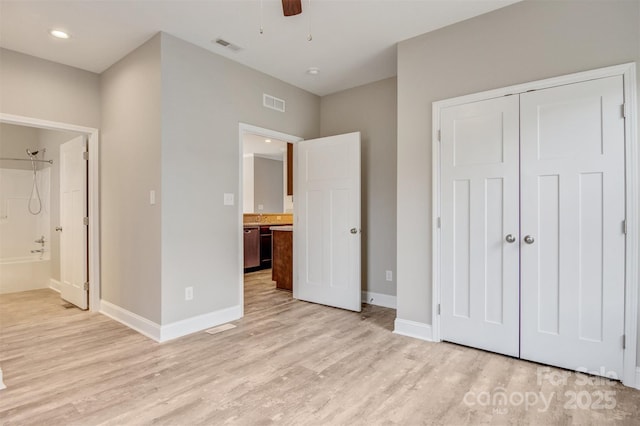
{"x": 282, "y": 228}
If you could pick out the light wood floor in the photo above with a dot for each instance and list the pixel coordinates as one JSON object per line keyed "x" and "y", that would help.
{"x": 286, "y": 362}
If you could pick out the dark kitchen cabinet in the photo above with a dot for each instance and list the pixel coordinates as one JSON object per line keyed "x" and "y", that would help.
{"x": 265, "y": 246}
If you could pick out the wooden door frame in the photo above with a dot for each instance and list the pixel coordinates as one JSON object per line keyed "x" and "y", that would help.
{"x": 631, "y": 373}
{"x": 244, "y": 128}
{"x": 93, "y": 186}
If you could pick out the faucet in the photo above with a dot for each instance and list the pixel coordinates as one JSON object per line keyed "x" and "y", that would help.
{"x": 38, "y": 251}
{"x": 40, "y": 240}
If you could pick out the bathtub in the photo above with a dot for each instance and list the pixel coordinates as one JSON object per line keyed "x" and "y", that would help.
{"x": 24, "y": 273}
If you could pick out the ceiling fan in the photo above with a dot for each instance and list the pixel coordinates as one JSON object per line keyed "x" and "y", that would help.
{"x": 291, "y": 7}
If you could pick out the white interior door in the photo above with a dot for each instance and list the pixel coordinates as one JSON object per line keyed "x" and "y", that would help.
{"x": 73, "y": 210}
{"x": 573, "y": 208}
{"x": 327, "y": 221}
{"x": 479, "y": 225}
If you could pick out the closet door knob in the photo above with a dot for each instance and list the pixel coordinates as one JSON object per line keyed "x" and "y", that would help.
{"x": 510, "y": 239}
{"x": 529, "y": 239}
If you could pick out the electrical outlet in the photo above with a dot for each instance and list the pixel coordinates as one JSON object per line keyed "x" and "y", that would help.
{"x": 188, "y": 293}
{"x": 389, "y": 275}
{"x": 228, "y": 199}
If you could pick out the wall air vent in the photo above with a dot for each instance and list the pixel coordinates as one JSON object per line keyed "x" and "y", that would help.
{"x": 230, "y": 46}
{"x": 273, "y": 102}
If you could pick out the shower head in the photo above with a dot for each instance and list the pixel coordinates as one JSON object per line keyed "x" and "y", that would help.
{"x": 32, "y": 153}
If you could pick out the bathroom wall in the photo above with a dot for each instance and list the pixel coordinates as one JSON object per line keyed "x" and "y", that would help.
{"x": 14, "y": 140}
{"x": 18, "y": 227}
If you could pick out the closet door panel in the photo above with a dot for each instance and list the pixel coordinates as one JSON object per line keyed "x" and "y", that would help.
{"x": 573, "y": 207}
{"x": 479, "y": 193}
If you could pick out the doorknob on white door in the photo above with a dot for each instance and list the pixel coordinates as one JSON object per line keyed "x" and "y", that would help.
{"x": 59, "y": 228}
{"x": 354, "y": 230}
{"x": 529, "y": 239}
{"x": 510, "y": 239}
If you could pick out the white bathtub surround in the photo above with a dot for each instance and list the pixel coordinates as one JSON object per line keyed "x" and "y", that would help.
{"x": 20, "y": 269}
{"x": 18, "y": 227}
{"x": 23, "y": 274}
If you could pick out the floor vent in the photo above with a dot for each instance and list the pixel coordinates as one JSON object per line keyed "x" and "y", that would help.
{"x": 273, "y": 102}
{"x": 220, "y": 328}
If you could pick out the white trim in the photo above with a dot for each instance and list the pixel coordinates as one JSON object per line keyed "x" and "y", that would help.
{"x": 379, "y": 299}
{"x": 637, "y": 383}
{"x": 131, "y": 320}
{"x": 199, "y": 323}
{"x": 2, "y": 385}
{"x": 417, "y": 330}
{"x": 94, "y": 193}
{"x": 163, "y": 333}
{"x": 54, "y": 285}
{"x": 267, "y": 133}
{"x": 631, "y": 178}
{"x": 628, "y": 71}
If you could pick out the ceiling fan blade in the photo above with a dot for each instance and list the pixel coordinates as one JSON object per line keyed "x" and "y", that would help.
{"x": 291, "y": 7}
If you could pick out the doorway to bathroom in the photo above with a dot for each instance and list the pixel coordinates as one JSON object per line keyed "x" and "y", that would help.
{"x": 49, "y": 210}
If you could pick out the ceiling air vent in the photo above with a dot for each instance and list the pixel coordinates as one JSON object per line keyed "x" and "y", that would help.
{"x": 225, "y": 43}
{"x": 272, "y": 102}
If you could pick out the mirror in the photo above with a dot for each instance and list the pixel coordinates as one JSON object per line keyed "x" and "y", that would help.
{"x": 264, "y": 177}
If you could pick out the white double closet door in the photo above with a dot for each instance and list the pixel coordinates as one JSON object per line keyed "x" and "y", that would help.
{"x": 532, "y": 237}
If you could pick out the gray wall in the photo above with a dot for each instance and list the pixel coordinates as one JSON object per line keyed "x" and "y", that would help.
{"x": 371, "y": 109}
{"x": 519, "y": 43}
{"x": 33, "y": 87}
{"x": 130, "y": 168}
{"x": 204, "y": 98}
{"x": 14, "y": 140}
{"x": 268, "y": 189}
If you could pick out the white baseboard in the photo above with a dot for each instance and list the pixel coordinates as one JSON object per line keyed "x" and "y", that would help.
{"x": 413, "y": 329}
{"x": 2, "y": 385}
{"x": 379, "y": 299}
{"x": 131, "y": 320}
{"x": 637, "y": 383}
{"x": 54, "y": 285}
{"x": 199, "y": 323}
{"x": 163, "y": 333}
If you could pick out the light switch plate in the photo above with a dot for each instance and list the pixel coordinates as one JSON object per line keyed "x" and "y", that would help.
{"x": 152, "y": 197}
{"x": 228, "y": 199}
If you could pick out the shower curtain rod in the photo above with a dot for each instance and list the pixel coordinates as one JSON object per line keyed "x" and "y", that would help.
{"x": 27, "y": 159}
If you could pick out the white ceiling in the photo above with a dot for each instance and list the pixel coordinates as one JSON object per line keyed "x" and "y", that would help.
{"x": 354, "y": 41}
{"x": 256, "y": 145}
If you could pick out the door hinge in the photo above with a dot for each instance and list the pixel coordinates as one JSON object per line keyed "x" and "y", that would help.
{"x": 439, "y": 135}
{"x": 86, "y": 286}
{"x": 624, "y": 341}
{"x": 438, "y": 309}
{"x": 85, "y": 221}
{"x": 85, "y": 155}
{"x": 438, "y": 222}
{"x": 624, "y": 227}
{"x": 624, "y": 110}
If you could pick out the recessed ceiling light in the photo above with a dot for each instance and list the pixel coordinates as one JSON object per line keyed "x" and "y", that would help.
{"x": 59, "y": 34}
{"x": 267, "y": 140}
{"x": 313, "y": 71}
